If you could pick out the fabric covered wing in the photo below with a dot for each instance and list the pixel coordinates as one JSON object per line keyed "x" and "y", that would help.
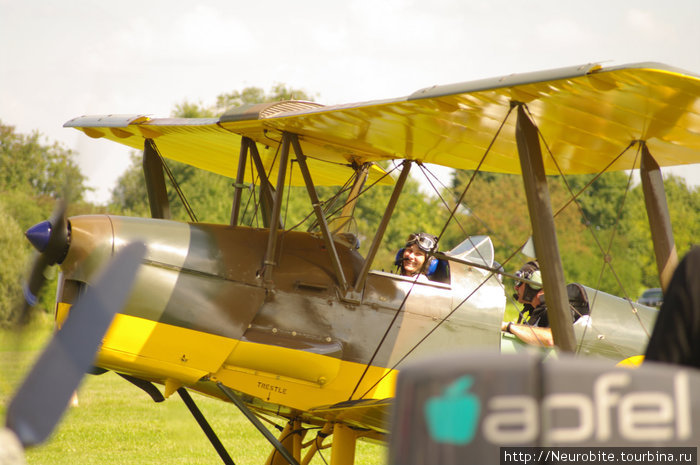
{"x": 587, "y": 116}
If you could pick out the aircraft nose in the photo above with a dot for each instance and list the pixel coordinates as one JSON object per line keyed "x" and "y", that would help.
{"x": 51, "y": 238}
{"x": 39, "y": 235}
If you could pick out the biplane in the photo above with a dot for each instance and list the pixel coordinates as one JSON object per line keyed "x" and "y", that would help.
{"x": 299, "y": 325}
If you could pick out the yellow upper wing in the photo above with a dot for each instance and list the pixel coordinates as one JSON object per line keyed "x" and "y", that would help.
{"x": 587, "y": 115}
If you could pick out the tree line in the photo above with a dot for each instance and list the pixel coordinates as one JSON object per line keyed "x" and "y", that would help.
{"x": 603, "y": 236}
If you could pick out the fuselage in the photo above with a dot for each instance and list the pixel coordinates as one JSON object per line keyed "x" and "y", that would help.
{"x": 201, "y": 311}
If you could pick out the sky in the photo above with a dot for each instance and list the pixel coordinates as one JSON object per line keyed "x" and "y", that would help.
{"x": 66, "y": 59}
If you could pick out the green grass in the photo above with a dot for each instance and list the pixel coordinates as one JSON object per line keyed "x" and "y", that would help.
{"x": 116, "y": 423}
{"x": 511, "y": 313}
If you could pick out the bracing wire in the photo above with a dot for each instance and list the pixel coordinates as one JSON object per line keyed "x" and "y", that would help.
{"x": 359, "y": 194}
{"x": 252, "y": 197}
{"x": 437, "y": 325}
{"x": 587, "y": 222}
{"x": 430, "y": 174}
{"x": 176, "y": 186}
{"x": 574, "y": 198}
{"x": 329, "y": 203}
{"x": 478, "y": 167}
{"x": 386, "y": 333}
{"x": 403, "y": 302}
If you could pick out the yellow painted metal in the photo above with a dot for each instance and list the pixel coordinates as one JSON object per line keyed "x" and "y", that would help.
{"x": 286, "y": 438}
{"x": 317, "y": 443}
{"x": 297, "y": 436}
{"x": 343, "y": 450}
{"x": 305, "y": 366}
{"x": 171, "y": 386}
{"x": 62, "y": 310}
{"x": 279, "y": 383}
{"x": 178, "y": 356}
{"x": 158, "y": 351}
{"x": 634, "y": 361}
{"x": 587, "y": 119}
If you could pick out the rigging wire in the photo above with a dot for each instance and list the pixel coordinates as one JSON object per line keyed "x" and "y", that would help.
{"x": 308, "y": 215}
{"x": 508, "y": 295}
{"x": 252, "y": 197}
{"x": 176, "y": 186}
{"x": 258, "y": 176}
{"x": 403, "y": 302}
{"x": 425, "y": 170}
{"x": 386, "y": 333}
{"x": 439, "y": 323}
{"x": 575, "y": 200}
{"x": 300, "y": 431}
{"x": 320, "y": 446}
{"x": 329, "y": 203}
{"x": 488, "y": 230}
{"x": 478, "y": 167}
{"x": 393, "y": 320}
{"x": 359, "y": 194}
{"x": 289, "y": 190}
{"x": 348, "y": 200}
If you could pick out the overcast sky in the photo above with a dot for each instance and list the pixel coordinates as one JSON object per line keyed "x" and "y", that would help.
{"x": 65, "y": 59}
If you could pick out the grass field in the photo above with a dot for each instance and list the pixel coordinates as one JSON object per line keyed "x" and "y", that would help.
{"x": 116, "y": 423}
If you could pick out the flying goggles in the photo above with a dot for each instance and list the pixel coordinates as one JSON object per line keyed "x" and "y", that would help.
{"x": 426, "y": 242}
{"x": 530, "y": 275}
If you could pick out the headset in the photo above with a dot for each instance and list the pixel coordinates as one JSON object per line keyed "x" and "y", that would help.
{"x": 429, "y": 269}
{"x": 434, "y": 269}
{"x": 531, "y": 272}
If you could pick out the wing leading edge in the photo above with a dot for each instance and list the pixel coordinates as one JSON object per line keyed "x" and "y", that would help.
{"x": 587, "y": 115}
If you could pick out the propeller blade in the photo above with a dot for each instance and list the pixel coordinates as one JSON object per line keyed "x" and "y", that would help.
{"x": 50, "y": 239}
{"x": 35, "y": 283}
{"x": 43, "y": 396}
{"x": 58, "y": 239}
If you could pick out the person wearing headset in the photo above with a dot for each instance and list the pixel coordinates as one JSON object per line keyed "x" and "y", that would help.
{"x": 536, "y": 330}
{"x": 411, "y": 259}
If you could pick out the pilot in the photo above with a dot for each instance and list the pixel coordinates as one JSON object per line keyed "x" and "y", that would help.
{"x": 411, "y": 259}
{"x": 536, "y": 331}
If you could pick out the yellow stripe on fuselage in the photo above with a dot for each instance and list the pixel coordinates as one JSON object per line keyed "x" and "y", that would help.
{"x": 293, "y": 378}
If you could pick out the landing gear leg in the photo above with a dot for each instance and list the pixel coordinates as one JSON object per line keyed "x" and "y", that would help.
{"x": 256, "y": 422}
{"x": 343, "y": 450}
{"x": 204, "y": 424}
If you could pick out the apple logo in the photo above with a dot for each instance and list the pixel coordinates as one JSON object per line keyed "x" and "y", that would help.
{"x": 453, "y": 416}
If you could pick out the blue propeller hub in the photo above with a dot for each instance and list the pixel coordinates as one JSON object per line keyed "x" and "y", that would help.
{"x": 39, "y": 235}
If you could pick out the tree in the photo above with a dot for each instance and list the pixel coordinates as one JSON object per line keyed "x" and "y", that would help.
{"x": 27, "y": 165}
{"x": 496, "y": 205}
{"x": 603, "y": 237}
{"x": 12, "y": 259}
{"x": 208, "y": 194}
{"x": 684, "y": 210}
{"x": 414, "y": 212}
{"x": 251, "y": 95}
{"x": 33, "y": 174}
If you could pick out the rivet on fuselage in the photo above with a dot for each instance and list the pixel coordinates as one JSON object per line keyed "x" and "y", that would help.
{"x": 274, "y": 330}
